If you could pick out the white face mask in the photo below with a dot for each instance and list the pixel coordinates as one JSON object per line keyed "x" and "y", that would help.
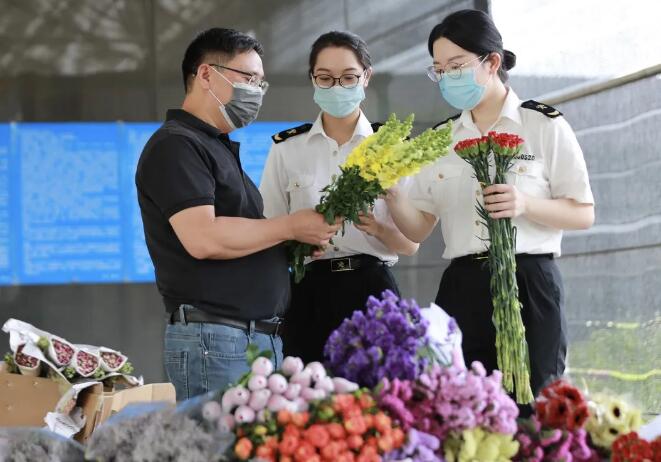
{"x": 244, "y": 106}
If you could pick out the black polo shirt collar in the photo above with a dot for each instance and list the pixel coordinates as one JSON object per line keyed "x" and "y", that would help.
{"x": 189, "y": 119}
{"x": 195, "y": 123}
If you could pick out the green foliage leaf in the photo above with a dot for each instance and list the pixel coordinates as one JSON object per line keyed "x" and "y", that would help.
{"x": 43, "y": 343}
{"x": 127, "y": 368}
{"x": 12, "y": 368}
{"x": 69, "y": 372}
{"x": 252, "y": 353}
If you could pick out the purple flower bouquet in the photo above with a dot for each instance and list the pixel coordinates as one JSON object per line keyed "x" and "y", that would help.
{"x": 388, "y": 340}
{"x": 450, "y": 399}
{"x": 419, "y": 447}
{"x": 538, "y": 443}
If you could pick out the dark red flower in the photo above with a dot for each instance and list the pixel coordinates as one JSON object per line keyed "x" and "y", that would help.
{"x": 631, "y": 448}
{"x": 656, "y": 449}
{"x": 577, "y": 417}
{"x": 572, "y": 394}
{"x": 540, "y": 410}
{"x": 562, "y": 406}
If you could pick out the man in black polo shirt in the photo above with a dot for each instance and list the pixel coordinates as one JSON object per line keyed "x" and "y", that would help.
{"x": 220, "y": 265}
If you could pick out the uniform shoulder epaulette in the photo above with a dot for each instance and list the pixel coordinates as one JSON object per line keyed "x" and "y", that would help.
{"x": 285, "y": 134}
{"x": 548, "y": 111}
{"x": 454, "y": 117}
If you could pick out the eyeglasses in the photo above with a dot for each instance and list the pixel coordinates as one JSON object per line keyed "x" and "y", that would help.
{"x": 253, "y": 79}
{"x": 345, "y": 80}
{"x": 451, "y": 70}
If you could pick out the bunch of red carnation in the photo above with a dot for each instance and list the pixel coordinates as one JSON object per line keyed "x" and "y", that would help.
{"x": 506, "y": 144}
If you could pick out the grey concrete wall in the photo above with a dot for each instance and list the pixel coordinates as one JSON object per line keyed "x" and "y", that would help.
{"x": 613, "y": 270}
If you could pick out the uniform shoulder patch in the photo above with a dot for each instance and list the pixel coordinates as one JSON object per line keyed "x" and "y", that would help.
{"x": 454, "y": 117}
{"x": 285, "y": 134}
{"x": 548, "y": 111}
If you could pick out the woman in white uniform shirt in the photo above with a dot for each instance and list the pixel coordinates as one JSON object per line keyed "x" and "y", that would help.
{"x": 301, "y": 162}
{"x": 547, "y": 191}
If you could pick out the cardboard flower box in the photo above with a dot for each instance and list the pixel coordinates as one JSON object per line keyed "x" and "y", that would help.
{"x": 25, "y": 401}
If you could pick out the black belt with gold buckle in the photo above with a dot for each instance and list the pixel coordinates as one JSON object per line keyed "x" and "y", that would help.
{"x": 484, "y": 257}
{"x": 339, "y": 265}
{"x": 342, "y": 264}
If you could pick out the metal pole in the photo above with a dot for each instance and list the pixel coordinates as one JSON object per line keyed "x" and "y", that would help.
{"x": 585, "y": 89}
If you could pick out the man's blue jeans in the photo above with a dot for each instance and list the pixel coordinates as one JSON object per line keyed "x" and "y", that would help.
{"x": 204, "y": 357}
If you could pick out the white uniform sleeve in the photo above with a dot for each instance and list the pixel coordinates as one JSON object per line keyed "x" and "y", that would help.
{"x": 274, "y": 185}
{"x": 568, "y": 173}
{"x": 420, "y": 192}
{"x": 381, "y": 210}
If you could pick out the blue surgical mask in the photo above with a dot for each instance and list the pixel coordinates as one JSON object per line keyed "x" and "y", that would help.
{"x": 463, "y": 93}
{"x": 339, "y": 101}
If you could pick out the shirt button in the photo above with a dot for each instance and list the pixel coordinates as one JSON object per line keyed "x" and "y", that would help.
{"x": 440, "y": 176}
{"x": 336, "y": 248}
{"x": 477, "y": 192}
{"x": 297, "y": 185}
{"x": 206, "y": 353}
{"x": 477, "y": 222}
{"x": 335, "y": 153}
{"x": 522, "y": 169}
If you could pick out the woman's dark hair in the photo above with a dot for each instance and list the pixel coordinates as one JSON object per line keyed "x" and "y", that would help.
{"x": 218, "y": 41}
{"x": 474, "y": 30}
{"x": 343, "y": 40}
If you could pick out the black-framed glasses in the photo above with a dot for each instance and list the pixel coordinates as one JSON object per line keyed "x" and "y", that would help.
{"x": 451, "y": 70}
{"x": 254, "y": 80}
{"x": 345, "y": 80}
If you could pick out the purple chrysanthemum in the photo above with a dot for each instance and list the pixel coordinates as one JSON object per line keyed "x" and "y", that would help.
{"x": 387, "y": 340}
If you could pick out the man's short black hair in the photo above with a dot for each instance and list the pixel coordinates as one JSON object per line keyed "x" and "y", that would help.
{"x": 225, "y": 43}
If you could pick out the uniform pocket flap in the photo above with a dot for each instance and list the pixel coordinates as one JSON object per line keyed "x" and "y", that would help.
{"x": 300, "y": 181}
{"x": 449, "y": 171}
{"x": 528, "y": 168}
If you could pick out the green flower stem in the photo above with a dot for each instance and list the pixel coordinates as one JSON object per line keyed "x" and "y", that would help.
{"x": 511, "y": 346}
{"x": 346, "y": 196}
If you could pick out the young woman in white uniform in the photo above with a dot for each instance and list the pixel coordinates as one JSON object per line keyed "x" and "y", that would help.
{"x": 301, "y": 162}
{"x": 547, "y": 192}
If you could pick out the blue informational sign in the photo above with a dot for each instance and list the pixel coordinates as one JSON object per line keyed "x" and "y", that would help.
{"x": 68, "y": 206}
